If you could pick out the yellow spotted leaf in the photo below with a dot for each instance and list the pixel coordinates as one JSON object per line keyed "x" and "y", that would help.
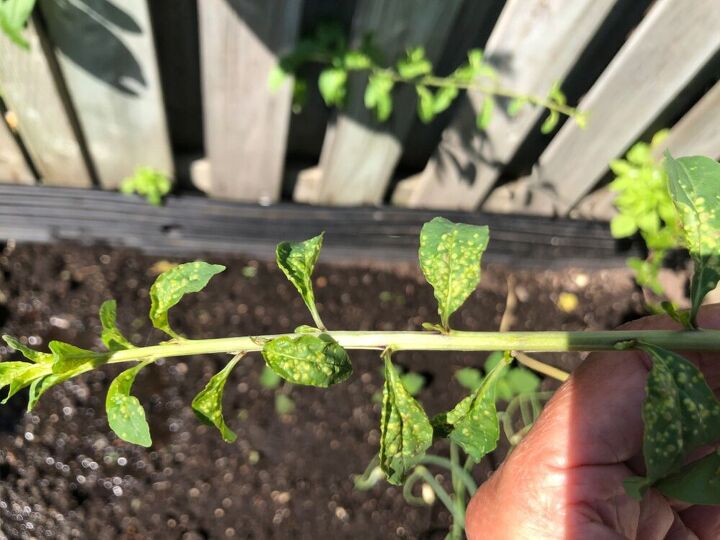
{"x": 297, "y": 261}
{"x": 208, "y": 403}
{"x": 111, "y": 336}
{"x": 172, "y": 285}
{"x": 450, "y": 256}
{"x": 315, "y": 360}
{"x": 405, "y": 430}
{"x": 126, "y": 415}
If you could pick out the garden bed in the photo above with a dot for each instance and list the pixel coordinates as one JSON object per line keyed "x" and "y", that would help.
{"x": 63, "y": 474}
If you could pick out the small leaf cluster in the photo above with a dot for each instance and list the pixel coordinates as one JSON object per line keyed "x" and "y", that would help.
{"x": 149, "y": 183}
{"x": 644, "y": 206}
{"x": 515, "y": 381}
{"x": 329, "y": 47}
{"x": 14, "y": 15}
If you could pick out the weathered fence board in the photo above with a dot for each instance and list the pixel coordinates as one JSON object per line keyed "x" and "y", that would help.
{"x": 698, "y": 132}
{"x": 534, "y": 43}
{"x": 106, "y": 53}
{"x": 30, "y": 90}
{"x": 669, "y": 47}
{"x": 359, "y": 157}
{"x": 13, "y": 169}
{"x": 245, "y": 124}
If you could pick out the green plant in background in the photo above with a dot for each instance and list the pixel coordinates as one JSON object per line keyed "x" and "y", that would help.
{"x": 645, "y": 207}
{"x": 149, "y": 183}
{"x": 14, "y": 15}
{"x": 328, "y": 46}
{"x": 679, "y": 406}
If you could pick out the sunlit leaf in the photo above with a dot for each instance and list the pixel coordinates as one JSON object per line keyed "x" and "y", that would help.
{"x": 297, "y": 261}
{"x": 414, "y": 64}
{"x": 126, "y": 415}
{"x": 171, "y": 286}
{"x": 405, "y": 430}
{"x": 67, "y": 357}
{"x": 111, "y": 336}
{"x": 332, "y": 84}
{"x": 378, "y": 94}
{"x": 34, "y": 356}
{"x": 208, "y": 403}
{"x": 484, "y": 116}
{"x": 550, "y": 122}
{"x": 450, "y": 256}
{"x": 308, "y": 359}
{"x": 426, "y": 105}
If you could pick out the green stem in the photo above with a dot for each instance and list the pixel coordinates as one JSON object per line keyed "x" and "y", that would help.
{"x": 458, "y": 492}
{"x": 462, "y": 472}
{"x": 686, "y": 340}
{"x": 443, "y": 495}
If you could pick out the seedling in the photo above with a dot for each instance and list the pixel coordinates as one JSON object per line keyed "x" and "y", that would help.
{"x": 681, "y": 413}
{"x": 148, "y": 183}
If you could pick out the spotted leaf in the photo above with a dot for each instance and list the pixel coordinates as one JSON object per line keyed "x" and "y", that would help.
{"x": 297, "y": 261}
{"x": 474, "y": 421}
{"x": 680, "y": 412}
{"x": 208, "y": 403}
{"x": 18, "y": 375}
{"x": 126, "y": 415}
{"x": 696, "y": 483}
{"x": 68, "y": 357}
{"x": 111, "y": 336}
{"x": 308, "y": 359}
{"x": 405, "y": 430}
{"x": 450, "y": 256}
{"x": 695, "y": 189}
{"x": 172, "y": 285}
{"x": 36, "y": 357}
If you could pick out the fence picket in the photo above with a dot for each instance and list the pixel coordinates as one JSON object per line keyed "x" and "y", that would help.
{"x": 29, "y": 89}
{"x": 359, "y": 157}
{"x": 106, "y": 54}
{"x": 13, "y": 169}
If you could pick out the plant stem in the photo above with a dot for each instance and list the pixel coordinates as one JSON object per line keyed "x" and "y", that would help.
{"x": 686, "y": 340}
{"x": 458, "y": 491}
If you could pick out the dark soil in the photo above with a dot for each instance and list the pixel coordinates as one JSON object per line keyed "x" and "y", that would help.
{"x": 64, "y": 475}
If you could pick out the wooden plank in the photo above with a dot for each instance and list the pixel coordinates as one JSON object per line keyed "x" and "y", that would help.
{"x": 13, "y": 169}
{"x": 665, "y": 52}
{"x": 534, "y": 43}
{"x": 245, "y": 124}
{"x": 106, "y": 53}
{"x": 359, "y": 157}
{"x": 30, "y": 89}
{"x": 698, "y": 132}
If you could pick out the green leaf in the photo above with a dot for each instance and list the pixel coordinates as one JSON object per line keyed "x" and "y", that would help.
{"x": 695, "y": 190}
{"x": 405, "y": 430}
{"x": 680, "y": 412}
{"x": 297, "y": 261}
{"x": 284, "y": 404}
{"x": 19, "y": 375}
{"x": 550, "y": 122}
{"x": 277, "y": 77}
{"x": 208, "y": 403}
{"x": 450, "y": 256}
{"x": 269, "y": 379}
{"x": 10, "y": 371}
{"x": 171, "y": 286}
{"x": 42, "y": 384}
{"x": 469, "y": 378}
{"x": 332, "y": 85}
{"x": 414, "y": 64}
{"x": 112, "y": 337}
{"x": 696, "y": 483}
{"x": 522, "y": 381}
{"x": 474, "y": 421}
{"x": 149, "y": 183}
{"x": 126, "y": 415}
{"x": 444, "y": 98}
{"x": 484, "y": 117}
{"x": 636, "y": 486}
{"x": 67, "y": 358}
{"x": 413, "y": 382}
{"x": 378, "y": 94}
{"x": 36, "y": 357}
{"x": 308, "y": 359}
{"x": 13, "y": 17}
{"x": 681, "y": 317}
{"x": 516, "y": 105}
{"x": 622, "y": 226}
{"x": 426, "y": 104}
{"x": 357, "y": 60}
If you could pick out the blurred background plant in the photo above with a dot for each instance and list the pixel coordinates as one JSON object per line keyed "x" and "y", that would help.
{"x": 149, "y": 183}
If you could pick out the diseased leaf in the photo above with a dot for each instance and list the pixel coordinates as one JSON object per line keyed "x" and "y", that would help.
{"x": 111, "y": 335}
{"x": 450, "y": 256}
{"x": 20, "y": 375}
{"x": 172, "y": 285}
{"x": 474, "y": 421}
{"x": 208, "y": 403}
{"x": 680, "y": 412}
{"x": 308, "y": 359}
{"x": 68, "y": 357}
{"x": 695, "y": 190}
{"x": 405, "y": 430}
{"x": 696, "y": 483}
{"x": 297, "y": 261}
{"x": 34, "y": 356}
{"x": 126, "y": 415}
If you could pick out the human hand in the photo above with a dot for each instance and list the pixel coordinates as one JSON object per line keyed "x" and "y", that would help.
{"x": 564, "y": 480}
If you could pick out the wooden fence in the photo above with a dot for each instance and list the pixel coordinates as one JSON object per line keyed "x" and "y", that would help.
{"x": 180, "y": 85}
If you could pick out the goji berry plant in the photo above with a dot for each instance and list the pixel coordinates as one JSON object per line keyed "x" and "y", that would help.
{"x": 681, "y": 414}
